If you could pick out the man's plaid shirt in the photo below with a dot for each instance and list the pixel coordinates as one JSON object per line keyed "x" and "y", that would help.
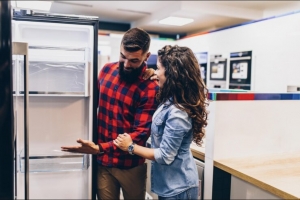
{"x": 123, "y": 108}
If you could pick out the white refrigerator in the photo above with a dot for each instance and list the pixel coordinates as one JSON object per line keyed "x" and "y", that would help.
{"x": 62, "y": 105}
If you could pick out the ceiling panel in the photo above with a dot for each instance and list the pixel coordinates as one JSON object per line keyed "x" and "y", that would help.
{"x": 207, "y": 15}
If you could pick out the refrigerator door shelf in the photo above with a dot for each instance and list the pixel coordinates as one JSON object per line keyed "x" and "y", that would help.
{"x": 55, "y": 163}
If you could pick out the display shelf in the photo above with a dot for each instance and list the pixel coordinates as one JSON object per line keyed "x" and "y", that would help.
{"x": 55, "y": 163}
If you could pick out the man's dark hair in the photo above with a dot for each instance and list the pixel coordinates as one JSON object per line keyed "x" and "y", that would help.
{"x": 136, "y": 39}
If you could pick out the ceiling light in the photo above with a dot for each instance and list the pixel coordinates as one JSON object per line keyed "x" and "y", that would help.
{"x": 34, "y": 5}
{"x": 176, "y": 21}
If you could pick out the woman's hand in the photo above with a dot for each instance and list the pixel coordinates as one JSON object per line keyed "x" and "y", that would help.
{"x": 149, "y": 73}
{"x": 123, "y": 141}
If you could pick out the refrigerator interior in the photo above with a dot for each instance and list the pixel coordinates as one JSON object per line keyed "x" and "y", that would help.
{"x": 60, "y": 108}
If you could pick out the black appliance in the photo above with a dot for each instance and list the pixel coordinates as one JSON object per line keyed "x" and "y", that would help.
{"x": 218, "y": 71}
{"x": 240, "y": 70}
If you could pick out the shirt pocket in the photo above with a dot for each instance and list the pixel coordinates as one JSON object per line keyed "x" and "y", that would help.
{"x": 158, "y": 127}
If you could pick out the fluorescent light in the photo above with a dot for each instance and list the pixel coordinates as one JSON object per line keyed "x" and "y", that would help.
{"x": 35, "y": 5}
{"x": 176, "y": 21}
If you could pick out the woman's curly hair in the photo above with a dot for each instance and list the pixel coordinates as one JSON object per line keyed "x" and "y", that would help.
{"x": 184, "y": 86}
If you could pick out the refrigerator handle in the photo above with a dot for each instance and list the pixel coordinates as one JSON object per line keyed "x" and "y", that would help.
{"x": 20, "y": 48}
{"x": 16, "y": 165}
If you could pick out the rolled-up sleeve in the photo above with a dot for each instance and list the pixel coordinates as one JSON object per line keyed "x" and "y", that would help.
{"x": 178, "y": 124}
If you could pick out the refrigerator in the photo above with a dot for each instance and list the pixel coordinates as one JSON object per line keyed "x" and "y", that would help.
{"x": 54, "y": 99}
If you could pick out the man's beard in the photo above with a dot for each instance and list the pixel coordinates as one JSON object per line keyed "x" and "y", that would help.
{"x": 129, "y": 76}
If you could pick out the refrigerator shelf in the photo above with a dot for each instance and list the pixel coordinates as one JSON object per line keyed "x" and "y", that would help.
{"x": 57, "y": 48}
{"x": 55, "y": 79}
{"x": 58, "y": 54}
{"x": 55, "y": 163}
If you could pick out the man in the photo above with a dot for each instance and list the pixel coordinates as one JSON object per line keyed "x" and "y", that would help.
{"x": 126, "y": 104}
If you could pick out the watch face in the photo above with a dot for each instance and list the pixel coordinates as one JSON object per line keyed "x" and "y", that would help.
{"x": 130, "y": 149}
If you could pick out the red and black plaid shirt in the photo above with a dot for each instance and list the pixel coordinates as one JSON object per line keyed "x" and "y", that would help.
{"x": 123, "y": 108}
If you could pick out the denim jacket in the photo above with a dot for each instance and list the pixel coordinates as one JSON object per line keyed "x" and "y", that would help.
{"x": 174, "y": 170}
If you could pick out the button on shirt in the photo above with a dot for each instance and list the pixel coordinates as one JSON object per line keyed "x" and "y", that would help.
{"x": 123, "y": 108}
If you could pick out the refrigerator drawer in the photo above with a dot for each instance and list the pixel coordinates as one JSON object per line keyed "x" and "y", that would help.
{"x": 55, "y": 163}
{"x": 55, "y": 185}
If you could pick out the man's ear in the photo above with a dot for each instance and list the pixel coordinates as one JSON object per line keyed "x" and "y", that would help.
{"x": 147, "y": 56}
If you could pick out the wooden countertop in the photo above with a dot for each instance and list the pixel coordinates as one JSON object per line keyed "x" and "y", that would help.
{"x": 198, "y": 152}
{"x": 277, "y": 174}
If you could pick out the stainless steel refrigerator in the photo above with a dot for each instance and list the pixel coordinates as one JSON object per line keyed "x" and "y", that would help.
{"x": 62, "y": 97}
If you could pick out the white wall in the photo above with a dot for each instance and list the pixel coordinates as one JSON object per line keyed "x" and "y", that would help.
{"x": 157, "y": 44}
{"x": 274, "y": 44}
{"x": 239, "y": 126}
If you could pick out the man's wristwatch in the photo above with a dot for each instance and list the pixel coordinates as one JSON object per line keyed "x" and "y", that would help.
{"x": 131, "y": 148}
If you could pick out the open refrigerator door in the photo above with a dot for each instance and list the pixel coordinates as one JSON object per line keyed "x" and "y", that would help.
{"x": 62, "y": 78}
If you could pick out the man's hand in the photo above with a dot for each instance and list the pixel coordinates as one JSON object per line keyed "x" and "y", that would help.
{"x": 86, "y": 147}
{"x": 123, "y": 141}
{"x": 149, "y": 73}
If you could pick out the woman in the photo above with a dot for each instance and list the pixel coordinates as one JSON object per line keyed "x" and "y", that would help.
{"x": 177, "y": 122}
